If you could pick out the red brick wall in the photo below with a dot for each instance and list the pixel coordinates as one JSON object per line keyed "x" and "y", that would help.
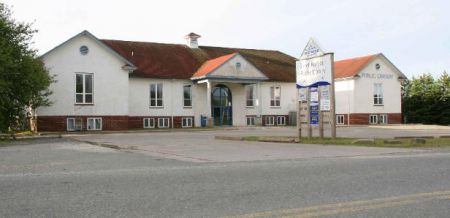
{"x": 345, "y": 119}
{"x": 177, "y": 121}
{"x": 138, "y": 122}
{"x": 363, "y": 119}
{"x": 59, "y": 123}
{"x": 51, "y": 123}
{"x": 395, "y": 118}
{"x": 286, "y": 117}
{"x": 359, "y": 119}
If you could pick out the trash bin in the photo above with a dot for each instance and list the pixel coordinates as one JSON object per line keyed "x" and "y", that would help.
{"x": 203, "y": 120}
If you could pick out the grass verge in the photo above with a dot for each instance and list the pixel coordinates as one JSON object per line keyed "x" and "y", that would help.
{"x": 388, "y": 143}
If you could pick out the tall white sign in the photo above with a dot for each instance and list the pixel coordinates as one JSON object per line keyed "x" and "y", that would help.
{"x": 314, "y": 66}
{"x": 314, "y": 71}
{"x": 315, "y": 77}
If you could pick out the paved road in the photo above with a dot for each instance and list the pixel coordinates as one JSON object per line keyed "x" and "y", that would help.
{"x": 62, "y": 178}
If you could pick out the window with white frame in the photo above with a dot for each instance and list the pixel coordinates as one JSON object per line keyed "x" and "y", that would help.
{"x": 270, "y": 120}
{"x": 340, "y": 119}
{"x": 250, "y": 95}
{"x": 373, "y": 119}
{"x": 84, "y": 93}
{"x": 275, "y": 96}
{"x": 250, "y": 121}
{"x": 163, "y": 122}
{"x": 378, "y": 94}
{"x": 383, "y": 119}
{"x": 186, "y": 122}
{"x": 94, "y": 123}
{"x": 71, "y": 124}
{"x": 187, "y": 96}
{"x": 281, "y": 120}
{"x": 149, "y": 122}
{"x": 156, "y": 95}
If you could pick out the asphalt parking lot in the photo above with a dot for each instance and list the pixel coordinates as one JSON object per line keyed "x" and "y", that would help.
{"x": 201, "y": 146}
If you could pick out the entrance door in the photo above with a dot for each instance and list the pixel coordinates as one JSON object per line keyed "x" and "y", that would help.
{"x": 221, "y": 106}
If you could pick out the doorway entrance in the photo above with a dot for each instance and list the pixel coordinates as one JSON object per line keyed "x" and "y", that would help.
{"x": 221, "y": 103}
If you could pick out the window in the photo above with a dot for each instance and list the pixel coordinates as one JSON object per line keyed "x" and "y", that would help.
{"x": 340, "y": 119}
{"x": 250, "y": 121}
{"x": 187, "y": 96}
{"x": 377, "y": 66}
{"x": 270, "y": 121}
{"x": 373, "y": 119}
{"x": 281, "y": 120}
{"x": 74, "y": 124}
{"x": 250, "y": 95}
{"x": 84, "y": 88}
{"x": 163, "y": 122}
{"x": 94, "y": 124}
{"x": 186, "y": 122}
{"x": 156, "y": 95}
{"x": 383, "y": 119}
{"x": 71, "y": 124}
{"x": 149, "y": 122}
{"x": 84, "y": 50}
{"x": 378, "y": 94}
{"x": 275, "y": 96}
{"x": 238, "y": 65}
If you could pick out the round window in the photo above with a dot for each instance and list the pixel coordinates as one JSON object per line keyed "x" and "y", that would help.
{"x": 84, "y": 50}
{"x": 377, "y": 66}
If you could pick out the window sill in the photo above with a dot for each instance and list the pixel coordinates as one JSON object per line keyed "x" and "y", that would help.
{"x": 187, "y": 107}
{"x": 84, "y": 104}
{"x": 250, "y": 107}
{"x": 275, "y": 107}
{"x": 378, "y": 105}
{"x": 156, "y": 107}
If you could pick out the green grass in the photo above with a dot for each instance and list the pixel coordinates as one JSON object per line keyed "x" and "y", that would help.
{"x": 405, "y": 143}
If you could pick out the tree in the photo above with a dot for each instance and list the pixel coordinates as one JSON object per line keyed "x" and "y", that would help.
{"x": 24, "y": 80}
{"x": 427, "y": 100}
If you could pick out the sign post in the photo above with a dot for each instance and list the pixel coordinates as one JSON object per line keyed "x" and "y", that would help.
{"x": 315, "y": 75}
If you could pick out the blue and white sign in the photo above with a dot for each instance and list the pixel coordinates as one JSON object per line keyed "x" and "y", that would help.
{"x": 314, "y": 67}
{"x": 314, "y": 106}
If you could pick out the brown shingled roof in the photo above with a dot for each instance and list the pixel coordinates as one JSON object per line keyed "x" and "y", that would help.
{"x": 175, "y": 61}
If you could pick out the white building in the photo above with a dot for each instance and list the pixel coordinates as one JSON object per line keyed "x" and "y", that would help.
{"x": 368, "y": 91}
{"x": 111, "y": 85}
{"x": 115, "y": 85}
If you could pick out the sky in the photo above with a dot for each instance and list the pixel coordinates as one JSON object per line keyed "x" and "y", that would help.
{"x": 413, "y": 34}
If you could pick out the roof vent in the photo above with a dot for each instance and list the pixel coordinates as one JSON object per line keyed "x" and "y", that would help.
{"x": 192, "y": 41}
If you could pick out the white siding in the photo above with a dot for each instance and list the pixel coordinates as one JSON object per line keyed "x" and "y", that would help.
{"x": 139, "y": 98}
{"x": 110, "y": 81}
{"x": 288, "y": 98}
{"x": 246, "y": 70}
{"x": 345, "y": 99}
{"x": 364, "y": 90}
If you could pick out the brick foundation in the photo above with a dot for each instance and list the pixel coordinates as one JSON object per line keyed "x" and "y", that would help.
{"x": 363, "y": 118}
{"x": 59, "y": 123}
{"x": 286, "y": 117}
{"x": 345, "y": 119}
{"x": 138, "y": 122}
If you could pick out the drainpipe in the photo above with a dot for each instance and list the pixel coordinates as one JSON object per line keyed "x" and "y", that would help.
{"x": 172, "y": 106}
{"x": 259, "y": 111}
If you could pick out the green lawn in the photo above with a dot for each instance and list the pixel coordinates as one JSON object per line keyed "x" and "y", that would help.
{"x": 402, "y": 143}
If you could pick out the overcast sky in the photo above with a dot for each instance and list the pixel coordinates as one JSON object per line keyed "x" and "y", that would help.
{"x": 413, "y": 34}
